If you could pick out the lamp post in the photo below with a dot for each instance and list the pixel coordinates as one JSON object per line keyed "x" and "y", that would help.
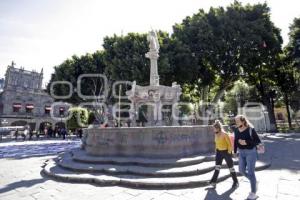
{"x": 119, "y": 120}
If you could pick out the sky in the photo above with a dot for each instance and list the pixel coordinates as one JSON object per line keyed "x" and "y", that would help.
{"x": 38, "y": 34}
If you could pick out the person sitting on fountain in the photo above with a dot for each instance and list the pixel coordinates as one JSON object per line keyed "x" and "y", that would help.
{"x": 142, "y": 119}
{"x": 223, "y": 151}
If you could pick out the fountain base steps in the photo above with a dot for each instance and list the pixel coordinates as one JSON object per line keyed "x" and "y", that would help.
{"x": 77, "y": 167}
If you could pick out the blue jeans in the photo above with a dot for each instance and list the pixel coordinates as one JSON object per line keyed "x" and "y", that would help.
{"x": 247, "y": 160}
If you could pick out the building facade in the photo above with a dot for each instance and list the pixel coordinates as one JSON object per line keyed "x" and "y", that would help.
{"x": 1, "y": 84}
{"x": 23, "y": 101}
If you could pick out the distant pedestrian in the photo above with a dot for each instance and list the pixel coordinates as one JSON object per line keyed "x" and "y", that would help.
{"x": 245, "y": 142}
{"x": 223, "y": 151}
{"x": 142, "y": 119}
{"x": 59, "y": 132}
{"x": 128, "y": 122}
{"x": 50, "y": 132}
{"x": 30, "y": 134}
{"x": 63, "y": 133}
{"x": 80, "y": 133}
{"x": 25, "y": 133}
{"x": 55, "y": 132}
{"x": 16, "y": 134}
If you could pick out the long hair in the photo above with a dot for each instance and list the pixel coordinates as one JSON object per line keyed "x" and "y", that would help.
{"x": 244, "y": 120}
{"x": 218, "y": 125}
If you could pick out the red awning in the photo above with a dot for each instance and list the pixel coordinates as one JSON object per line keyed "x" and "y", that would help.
{"x": 29, "y": 106}
{"x": 17, "y": 105}
{"x": 47, "y": 107}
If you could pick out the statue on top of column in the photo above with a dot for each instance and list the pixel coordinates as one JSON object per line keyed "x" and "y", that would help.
{"x": 153, "y": 41}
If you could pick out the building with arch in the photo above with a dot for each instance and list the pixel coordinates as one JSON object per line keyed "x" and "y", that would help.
{"x": 23, "y": 100}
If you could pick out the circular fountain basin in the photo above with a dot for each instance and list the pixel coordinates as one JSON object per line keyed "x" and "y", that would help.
{"x": 157, "y": 142}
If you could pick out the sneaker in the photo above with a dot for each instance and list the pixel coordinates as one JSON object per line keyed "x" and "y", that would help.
{"x": 235, "y": 185}
{"x": 252, "y": 196}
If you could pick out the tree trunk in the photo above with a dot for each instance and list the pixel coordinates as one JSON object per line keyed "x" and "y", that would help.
{"x": 287, "y": 103}
{"x": 268, "y": 102}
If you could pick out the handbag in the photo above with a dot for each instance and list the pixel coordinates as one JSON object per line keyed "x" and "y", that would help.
{"x": 260, "y": 148}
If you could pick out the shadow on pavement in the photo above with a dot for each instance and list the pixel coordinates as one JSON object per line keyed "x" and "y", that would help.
{"x": 21, "y": 184}
{"x": 213, "y": 195}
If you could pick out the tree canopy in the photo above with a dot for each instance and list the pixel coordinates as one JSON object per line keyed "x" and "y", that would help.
{"x": 207, "y": 53}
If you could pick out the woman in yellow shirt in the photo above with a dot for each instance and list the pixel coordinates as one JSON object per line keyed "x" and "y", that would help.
{"x": 223, "y": 151}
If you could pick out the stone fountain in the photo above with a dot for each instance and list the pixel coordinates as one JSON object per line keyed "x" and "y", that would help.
{"x": 155, "y": 140}
{"x": 155, "y": 97}
{"x": 154, "y": 157}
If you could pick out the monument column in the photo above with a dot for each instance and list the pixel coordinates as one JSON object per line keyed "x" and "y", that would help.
{"x": 153, "y": 56}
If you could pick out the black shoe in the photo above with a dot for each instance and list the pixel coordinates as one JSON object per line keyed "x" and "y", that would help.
{"x": 235, "y": 185}
{"x": 212, "y": 185}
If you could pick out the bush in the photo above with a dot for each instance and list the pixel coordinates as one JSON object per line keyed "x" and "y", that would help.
{"x": 79, "y": 118}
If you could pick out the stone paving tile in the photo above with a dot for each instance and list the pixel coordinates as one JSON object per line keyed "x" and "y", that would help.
{"x": 15, "y": 196}
{"x": 97, "y": 197}
{"x": 134, "y": 193}
{"x": 287, "y": 197}
{"x": 289, "y": 187}
{"x": 169, "y": 196}
{"x": 180, "y": 192}
{"x": 120, "y": 196}
{"x": 148, "y": 194}
{"x": 197, "y": 194}
{"x": 9, "y": 193}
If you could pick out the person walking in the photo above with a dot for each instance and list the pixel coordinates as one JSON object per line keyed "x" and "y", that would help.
{"x": 223, "y": 151}
{"x": 245, "y": 142}
{"x": 16, "y": 134}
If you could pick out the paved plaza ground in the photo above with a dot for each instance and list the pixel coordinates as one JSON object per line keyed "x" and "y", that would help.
{"x": 21, "y": 164}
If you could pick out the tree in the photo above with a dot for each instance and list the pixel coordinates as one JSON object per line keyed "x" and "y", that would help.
{"x": 293, "y": 47}
{"x": 290, "y": 68}
{"x": 79, "y": 118}
{"x": 71, "y": 69}
{"x": 286, "y": 82}
{"x": 239, "y": 41}
{"x": 260, "y": 53}
{"x": 213, "y": 42}
{"x": 125, "y": 58}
